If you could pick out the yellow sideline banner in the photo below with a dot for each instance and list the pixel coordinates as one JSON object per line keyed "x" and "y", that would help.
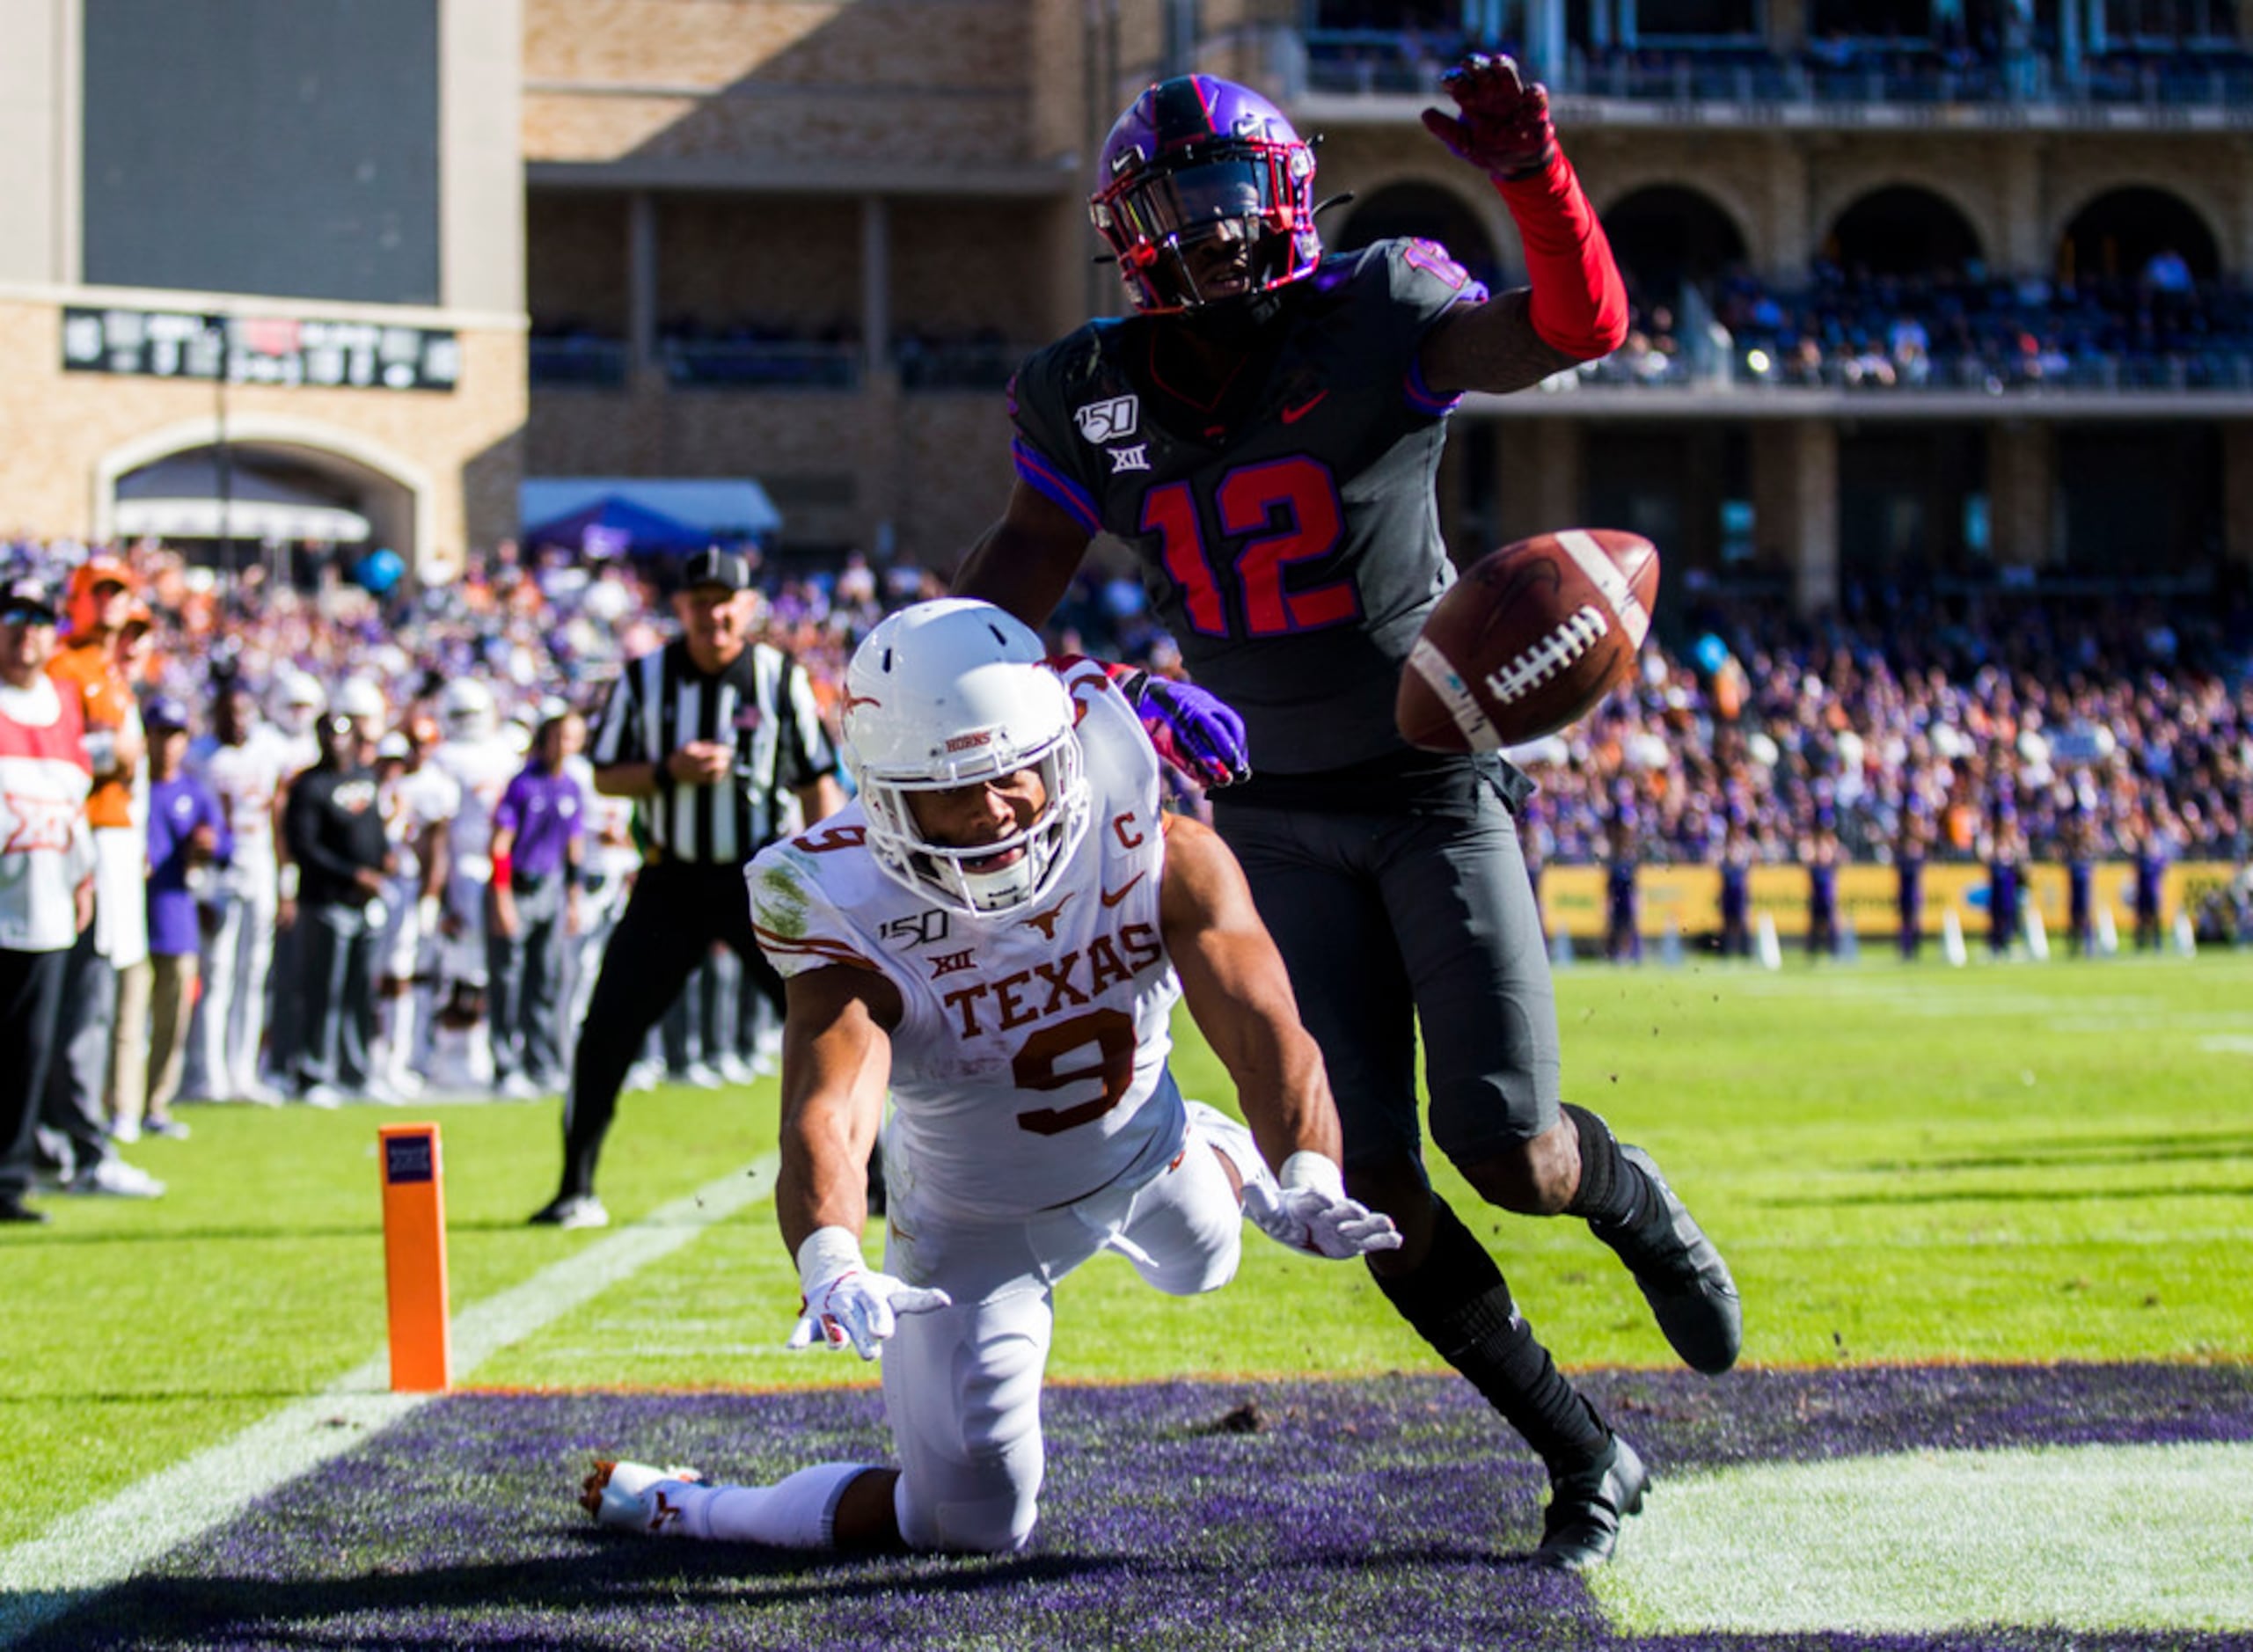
{"x": 1572, "y": 897}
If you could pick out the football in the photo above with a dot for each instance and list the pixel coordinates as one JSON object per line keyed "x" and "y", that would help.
{"x": 1528, "y": 639}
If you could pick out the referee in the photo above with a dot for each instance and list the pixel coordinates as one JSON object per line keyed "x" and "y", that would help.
{"x": 705, "y": 735}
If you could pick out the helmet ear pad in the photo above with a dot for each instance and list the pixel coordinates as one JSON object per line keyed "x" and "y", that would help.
{"x": 951, "y": 694}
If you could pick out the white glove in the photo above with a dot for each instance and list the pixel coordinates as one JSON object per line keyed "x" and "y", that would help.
{"x": 1307, "y": 1210}
{"x": 845, "y": 1302}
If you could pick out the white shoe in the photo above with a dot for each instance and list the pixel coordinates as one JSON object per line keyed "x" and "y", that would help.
{"x": 406, "y": 1082}
{"x": 379, "y": 1090}
{"x": 324, "y": 1096}
{"x": 571, "y": 1210}
{"x": 259, "y": 1093}
{"x": 735, "y": 1070}
{"x": 702, "y": 1075}
{"x": 631, "y": 1496}
{"x": 125, "y": 1130}
{"x": 519, "y": 1087}
{"x": 645, "y": 1074}
{"x": 118, "y": 1179}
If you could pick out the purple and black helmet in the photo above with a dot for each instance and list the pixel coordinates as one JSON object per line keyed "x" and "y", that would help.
{"x": 1195, "y": 157}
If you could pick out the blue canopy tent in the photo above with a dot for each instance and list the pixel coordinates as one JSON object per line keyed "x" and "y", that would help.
{"x": 614, "y": 523}
{"x": 645, "y": 516}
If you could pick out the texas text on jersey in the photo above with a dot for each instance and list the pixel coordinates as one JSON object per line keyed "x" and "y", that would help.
{"x": 1070, "y": 999}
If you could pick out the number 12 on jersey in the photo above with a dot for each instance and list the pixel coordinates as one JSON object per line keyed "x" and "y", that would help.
{"x": 1281, "y": 512}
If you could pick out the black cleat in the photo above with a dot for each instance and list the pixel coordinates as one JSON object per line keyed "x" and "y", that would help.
{"x": 1581, "y": 1526}
{"x": 1682, "y": 1276}
{"x": 14, "y": 1209}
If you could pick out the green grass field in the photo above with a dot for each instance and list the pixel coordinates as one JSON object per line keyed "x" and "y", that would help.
{"x": 1903, "y": 1165}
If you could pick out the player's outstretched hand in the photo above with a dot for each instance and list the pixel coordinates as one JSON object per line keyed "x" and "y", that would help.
{"x": 847, "y": 1304}
{"x": 1308, "y": 1210}
{"x": 1504, "y": 129}
{"x": 860, "y": 1310}
{"x": 1195, "y": 730}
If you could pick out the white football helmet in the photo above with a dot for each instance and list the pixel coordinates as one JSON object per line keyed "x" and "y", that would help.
{"x": 297, "y": 700}
{"x": 948, "y": 694}
{"x": 466, "y": 709}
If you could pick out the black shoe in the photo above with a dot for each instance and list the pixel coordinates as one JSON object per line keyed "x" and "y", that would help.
{"x": 16, "y": 1210}
{"x": 569, "y": 1210}
{"x": 1581, "y": 1527}
{"x": 1682, "y": 1275}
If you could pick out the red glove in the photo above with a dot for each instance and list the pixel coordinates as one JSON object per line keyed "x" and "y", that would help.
{"x": 1504, "y": 131}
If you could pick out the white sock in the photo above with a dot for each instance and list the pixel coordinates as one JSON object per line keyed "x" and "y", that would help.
{"x": 400, "y": 1040}
{"x": 800, "y": 1512}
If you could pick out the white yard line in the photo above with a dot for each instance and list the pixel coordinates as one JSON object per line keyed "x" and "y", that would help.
{"x": 103, "y": 1545}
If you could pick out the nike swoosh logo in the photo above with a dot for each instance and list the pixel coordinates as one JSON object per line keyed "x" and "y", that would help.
{"x": 1112, "y": 897}
{"x": 1292, "y": 415}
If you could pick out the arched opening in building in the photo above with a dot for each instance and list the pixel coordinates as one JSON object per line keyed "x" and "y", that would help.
{"x": 1902, "y": 230}
{"x": 1419, "y": 210}
{"x": 305, "y": 515}
{"x": 2125, "y": 235}
{"x": 1671, "y": 242}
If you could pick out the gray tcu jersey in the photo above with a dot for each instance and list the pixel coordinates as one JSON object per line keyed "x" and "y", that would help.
{"x": 1294, "y": 554}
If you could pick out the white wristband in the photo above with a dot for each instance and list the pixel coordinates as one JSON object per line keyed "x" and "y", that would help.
{"x": 827, "y": 1252}
{"x": 1313, "y": 1170}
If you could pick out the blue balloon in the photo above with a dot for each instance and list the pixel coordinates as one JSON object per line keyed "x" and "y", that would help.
{"x": 379, "y": 570}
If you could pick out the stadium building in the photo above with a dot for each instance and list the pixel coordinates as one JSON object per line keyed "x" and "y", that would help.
{"x": 261, "y": 272}
{"x": 1922, "y": 285}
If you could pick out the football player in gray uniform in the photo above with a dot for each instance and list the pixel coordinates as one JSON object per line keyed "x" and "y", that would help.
{"x": 1264, "y": 432}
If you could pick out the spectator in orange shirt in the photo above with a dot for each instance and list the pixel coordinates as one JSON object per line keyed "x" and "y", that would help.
{"x": 100, "y": 602}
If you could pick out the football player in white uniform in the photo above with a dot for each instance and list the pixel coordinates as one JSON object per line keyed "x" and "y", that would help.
{"x": 998, "y": 930}
{"x": 474, "y": 755}
{"x": 246, "y": 763}
{"x": 419, "y": 804}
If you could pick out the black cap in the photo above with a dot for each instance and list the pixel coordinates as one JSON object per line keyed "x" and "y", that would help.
{"x": 26, "y": 592}
{"x": 729, "y": 569}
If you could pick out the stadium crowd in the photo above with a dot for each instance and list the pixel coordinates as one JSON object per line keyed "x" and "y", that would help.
{"x": 1904, "y": 724}
{"x": 1851, "y": 328}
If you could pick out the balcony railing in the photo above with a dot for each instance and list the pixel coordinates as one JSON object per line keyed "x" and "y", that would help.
{"x": 1377, "y": 62}
{"x": 760, "y": 364}
{"x": 2226, "y": 372}
{"x": 599, "y": 362}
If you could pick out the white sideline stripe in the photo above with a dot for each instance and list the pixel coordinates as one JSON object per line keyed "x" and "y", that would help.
{"x": 2091, "y": 1538}
{"x": 95, "y": 1547}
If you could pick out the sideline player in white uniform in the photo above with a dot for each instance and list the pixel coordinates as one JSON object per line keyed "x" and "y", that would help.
{"x": 998, "y": 929}
{"x": 475, "y": 756}
{"x": 245, "y": 763}
{"x": 418, "y": 804}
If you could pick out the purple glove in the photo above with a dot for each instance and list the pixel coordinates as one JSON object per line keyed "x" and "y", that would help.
{"x": 1505, "y": 130}
{"x": 1195, "y": 730}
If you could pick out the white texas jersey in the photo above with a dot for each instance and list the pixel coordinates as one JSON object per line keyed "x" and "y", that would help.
{"x": 482, "y": 770}
{"x": 244, "y": 780}
{"x": 411, "y": 803}
{"x": 1029, "y": 1070}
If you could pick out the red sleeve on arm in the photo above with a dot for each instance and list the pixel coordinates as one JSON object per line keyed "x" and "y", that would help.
{"x": 1580, "y": 303}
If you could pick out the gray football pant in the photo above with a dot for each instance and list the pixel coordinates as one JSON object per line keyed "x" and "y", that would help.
{"x": 1389, "y": 922}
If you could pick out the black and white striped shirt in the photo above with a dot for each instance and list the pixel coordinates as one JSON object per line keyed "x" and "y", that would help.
{"x": 762, "y": 704}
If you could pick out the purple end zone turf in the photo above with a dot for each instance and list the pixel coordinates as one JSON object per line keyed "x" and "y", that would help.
{"x": 1384, "y": 1513}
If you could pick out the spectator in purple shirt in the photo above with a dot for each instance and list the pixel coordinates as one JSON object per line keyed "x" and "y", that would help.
{"x": 187, "y": 831}
{"x": 538, "y": 837}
